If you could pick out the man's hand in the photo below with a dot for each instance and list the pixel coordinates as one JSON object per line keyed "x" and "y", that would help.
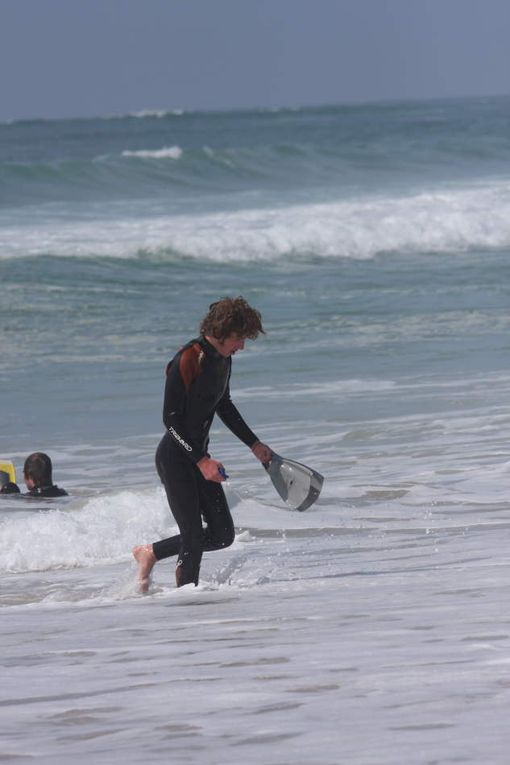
{"x": 210, "y": 469}
{"x": 262, "y": 452}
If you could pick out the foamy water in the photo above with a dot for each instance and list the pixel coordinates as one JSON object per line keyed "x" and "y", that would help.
{"x": 364, "y": 620}
{"x": 167, "y": 152}
{"x": 373, "y": 617}
{"x": 440, "y": 220}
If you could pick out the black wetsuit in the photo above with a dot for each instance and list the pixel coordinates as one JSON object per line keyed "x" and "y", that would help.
{"x": 46, "y": 491}
{"x": 197, "y": 387}
{"x": 10, "y": 488}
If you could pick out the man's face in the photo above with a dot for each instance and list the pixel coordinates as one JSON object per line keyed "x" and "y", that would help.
{"x": 231, "y": 345}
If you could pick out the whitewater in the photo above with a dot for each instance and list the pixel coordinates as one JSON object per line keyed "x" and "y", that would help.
{"x": 442, "y": 220}
{"x": 370, "y": 629}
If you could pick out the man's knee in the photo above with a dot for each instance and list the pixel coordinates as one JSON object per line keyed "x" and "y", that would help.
{"x": 230, "y": 535}
{"x": 219, "y": 539}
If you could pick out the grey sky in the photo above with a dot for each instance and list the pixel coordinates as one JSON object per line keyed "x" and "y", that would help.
{"x": 62, "y": 58}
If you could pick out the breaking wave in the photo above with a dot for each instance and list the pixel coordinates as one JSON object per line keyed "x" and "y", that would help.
{"x": 446, "y": 220}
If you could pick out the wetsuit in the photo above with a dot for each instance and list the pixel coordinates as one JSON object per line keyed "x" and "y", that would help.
{"x": 46, "y": 491}
{"x": 10, "y": 488}
{"x": 197, "y": 387}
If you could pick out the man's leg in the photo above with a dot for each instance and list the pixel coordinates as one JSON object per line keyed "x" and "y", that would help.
{"x": 144, "y": 556}
{"x": 183, "y": 498}
{"x": 179, "y": 477}
{"x": 216, "y": 513}
{"x": 190, "y": 497}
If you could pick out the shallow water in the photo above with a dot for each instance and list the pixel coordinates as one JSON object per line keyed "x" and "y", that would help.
{"x": 371, "y": 628}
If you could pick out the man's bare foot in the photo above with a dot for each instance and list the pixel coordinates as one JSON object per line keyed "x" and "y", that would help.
{"x": 146, "y": 560}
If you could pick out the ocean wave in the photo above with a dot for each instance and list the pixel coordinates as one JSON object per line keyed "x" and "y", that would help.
{"x": 451, "y": 221}
{"x": 320, "y": 390}
{"x": 104, "y": 530}
{"x": 114, "y": 175}
{"x": 167, "y": 152}
{"x": 157, "y": 113}
{"x": 141, "y": 114}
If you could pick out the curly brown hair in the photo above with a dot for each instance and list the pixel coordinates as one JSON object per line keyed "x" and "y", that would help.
{"x": 231, "y": 316}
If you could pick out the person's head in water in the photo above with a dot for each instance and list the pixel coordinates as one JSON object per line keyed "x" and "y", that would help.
{"x": 6, "y": 485}
{"x": 38, "y": 471}
{"x": 229, "y": 322}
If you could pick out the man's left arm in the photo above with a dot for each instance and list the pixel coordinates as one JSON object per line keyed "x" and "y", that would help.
{"x": 231, "y": 417}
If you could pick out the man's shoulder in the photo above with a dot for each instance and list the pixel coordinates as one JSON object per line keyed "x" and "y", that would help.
{"x": 190, "y": 362}
{"x": 10, "y": 488}
{"x": 48, "y": 491}
{"x": 191, "y": 351}
{"x": 58, "y": 492}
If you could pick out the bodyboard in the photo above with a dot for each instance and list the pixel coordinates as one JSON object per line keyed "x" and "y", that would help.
{"x": 298, "y": 485}
{"x": 7, "y": 472}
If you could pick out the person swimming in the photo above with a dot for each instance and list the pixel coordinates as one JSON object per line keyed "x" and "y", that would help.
{"x": 8, "y": 486}
{"x": 38, "y": 477}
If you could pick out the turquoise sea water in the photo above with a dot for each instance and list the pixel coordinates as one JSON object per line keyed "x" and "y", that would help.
{"x": 375, "y": 240}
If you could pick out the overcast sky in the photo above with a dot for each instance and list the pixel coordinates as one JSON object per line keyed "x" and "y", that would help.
{"x": 65, "y": 58}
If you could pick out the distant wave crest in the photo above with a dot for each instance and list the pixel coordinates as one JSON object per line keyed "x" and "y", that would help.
{"x": 158, "y": 113}
{"x": 167, "y": 152}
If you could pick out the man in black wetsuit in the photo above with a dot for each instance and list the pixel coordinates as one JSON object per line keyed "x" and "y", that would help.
{"x": 38, "y": 477}
{"x": 197, "y": 387}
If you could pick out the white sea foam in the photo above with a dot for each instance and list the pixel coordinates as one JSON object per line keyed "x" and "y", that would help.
{"x": 322, "y": 389}
{"x": 452, "y": 220}
{"x": 144, "y": 114}
{"x": 158, "y": 113}
{"x": 167, "y": 152}
{"x": 104, "y": 529}
{"x": 381, "y": 603}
